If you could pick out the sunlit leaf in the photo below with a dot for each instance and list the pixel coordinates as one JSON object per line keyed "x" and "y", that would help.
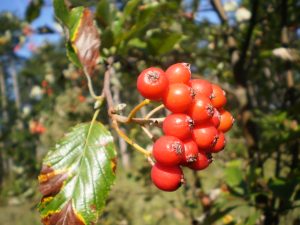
{"x": 61, "y": 11}
{"x": 77, "y": 176}
{"x": 162, "y": 43}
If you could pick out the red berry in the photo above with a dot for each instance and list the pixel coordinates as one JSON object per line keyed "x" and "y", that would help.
{"x": 167, "y": 178}
{"x": 216, "y": 118}
{"x": 178, "y": 125}
{"x": 152, "y": 83}
{"x": 190, "y": 151}
{"x": 168, "y": 150}
{"x": 226, "y": 121}
{"x": 177, "y": 98}
{"x": 205, "y": 135}
{"x": 201, "y": 87}
{"x": 220, "y": 144}
{"x": 202, "y": 162}
{"x": 218, "y": 96}
{"x": 201, "y": 109}
{"x": 179, "y": 73}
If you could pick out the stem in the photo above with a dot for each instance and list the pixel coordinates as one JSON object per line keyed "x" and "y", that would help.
{"x": 90, "y": 85}
{"x": 155, "y": 110}
{"x": 140, "y": 121}
{"x": 3, "y": 96}
{"x": 148, "y": 133}
{"x": 96, "y": 113}
{"x": 150, "y": 160}
{"x": 218, "y": 7}
{"x": 95, "y": 116}
{"x": 129, "y": 141}
{"x": 147, "y": 117}
{"x": 137, "y": 108}
{"x": 16, "y": 88}
{"x": 106, "y": 92}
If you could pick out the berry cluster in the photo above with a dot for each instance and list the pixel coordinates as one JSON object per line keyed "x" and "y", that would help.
{"x": 195, "y": 128}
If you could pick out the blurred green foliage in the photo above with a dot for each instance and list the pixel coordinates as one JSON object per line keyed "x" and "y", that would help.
{"x": 255, "y": 180}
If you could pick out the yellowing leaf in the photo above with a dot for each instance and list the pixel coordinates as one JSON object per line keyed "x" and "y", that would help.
{"x": 83, "y": 37}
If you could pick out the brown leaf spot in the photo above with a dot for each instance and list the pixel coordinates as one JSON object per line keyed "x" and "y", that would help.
{"x": 113, "y": 164}
{"x": 51, "y": 181}
{"x": 66, "y": 216}
{"x": 86, "y": 41}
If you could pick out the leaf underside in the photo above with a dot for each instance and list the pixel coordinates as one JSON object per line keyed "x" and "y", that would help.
{"x": 77, "y": 175}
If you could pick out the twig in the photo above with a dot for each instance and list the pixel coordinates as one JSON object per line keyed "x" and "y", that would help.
{"x": 217, "y": 5}
{"x": 90, "y": 85}
{"x": 106, "y": 92}
{"x": 150, "y": 160}
{"x": 148, "y": 133}
{"x": 140, "y": 121}
{"x": 129, "y": 141}
{"x": 155, "y": 110}
{"x": 137, "y": 108}
{"x": 147, "y": 117}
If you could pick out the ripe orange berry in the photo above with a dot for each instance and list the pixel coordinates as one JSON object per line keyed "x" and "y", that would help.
{"x": 201, "y": 109}
{"x": 168, "y": 150}
{"x": 220, "y": 144}
{"x": 179, "y": 73}
{"x": 190, "y": 152}
{"x": 152, "y": 83}
{"x": 178, "y": 98}
{"x": 216, "y": 118}
{"x": 201, "y": 87}
{"x": 178, "y": 125}
{"x": 226, "y": 121}
{"x": 205, "y": 135}
{"x": 202, "y": 162}
{"x": 167, "y": 178}
{"x": 218, "y": 96}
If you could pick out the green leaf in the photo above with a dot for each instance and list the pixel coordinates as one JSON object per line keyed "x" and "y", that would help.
{"x": 74, "y": 20}
{"x": 137, "y": 43}
{"x": 33, "y": 10}
{"x": 61, "y": 11}
{"x": 103, "y": 13}
{"x": 77, "y": 175}
{"x": 162, "y": 43}
{"x": 130, "y": 7}
{"x": 107, "y": 38}
{"x": 72, "y": 55}
{"x": 144, "y": 18}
